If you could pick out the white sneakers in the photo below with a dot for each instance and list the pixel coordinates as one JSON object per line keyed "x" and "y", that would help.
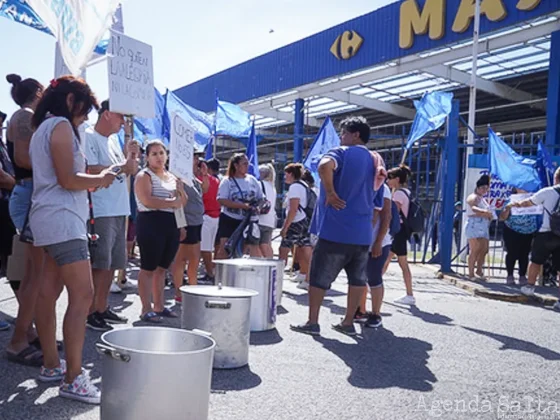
{"x": 115, "y": 288}
{"x": 303, "y": 285}
{"x": 556, "y": 306}
{"x": 297, "y": 278}
{"x": 82, "y": 389}
{"x": 528, "y": 290}
{"x": 406, "y": 300}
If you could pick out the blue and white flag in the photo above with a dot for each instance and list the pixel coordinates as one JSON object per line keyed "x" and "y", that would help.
{"x": 232, "y": 121}
{"x": 209, "y": 150}
{"x": 431, "y": 113}
{"x": 326, "y": 139}
{"x": 509, "y": 167}
{"x": 252, "y": 154}
{"x": 545, "y": 167}
{"x": 77, "y": 25}
{"x": 197, "y": 119}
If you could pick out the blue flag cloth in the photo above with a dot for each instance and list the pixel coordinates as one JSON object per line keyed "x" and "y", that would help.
{"x": 431, "y": 113}
{"x": 508, "y": 166}
{"x": 201, "y": 122}
{"x": 21, "y": 12}
{"x": 209, "y": 151}
{"x": 545, "y": 167}
{"x": 232, "y": 121}
{"x": 252, "y": 154}
{"x": 326, "y": 139}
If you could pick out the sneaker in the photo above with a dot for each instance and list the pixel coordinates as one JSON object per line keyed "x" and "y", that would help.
{"x": 556, "y": 306}
{"x": 81, "y": 390}
{"x": 112, "y": 318}
{"x": 4, "y": 326}
{"x": 406, "y": 300}
{"x": 97, "y": 323}
{"x": 374, "y": 321}
{"x": 360, "y": 316}
{"x": 53, "y": 375}
{"x": 345, "y": 329}
{"x": 523, "y": 280}
{"x": 178, "y": 299}
{"x": 209, "y": 280}
{"x": 115, "y": 288}
{"x": 307, "y": 328}
{"x": 510, "y": 280}
{"x": 303, "y": 285}
{"x": 296, "y": 277}
{"x": 528, "y": 290}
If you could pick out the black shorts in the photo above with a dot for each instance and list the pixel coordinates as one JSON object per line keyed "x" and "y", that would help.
{"x": 375, "y": 268}
{"x": 158, "y": 239}
{"x": 545, "y": 245}
{"x": 226, "y": 226}
{"x": 194, "y": 235}
{"x": 7, "y": 229}
{"x": 330, "y": 258}
{"x": 400, "y": 242}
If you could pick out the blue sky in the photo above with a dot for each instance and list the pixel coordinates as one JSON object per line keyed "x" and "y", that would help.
{"x": 190, "y": 40}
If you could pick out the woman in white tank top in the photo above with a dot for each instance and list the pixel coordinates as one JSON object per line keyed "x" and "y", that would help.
{"x": 477, "y": 229}
{"x": 158, "y": 237}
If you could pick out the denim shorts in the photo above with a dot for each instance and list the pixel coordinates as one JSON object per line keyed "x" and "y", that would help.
{"x": 330, "y": 258}
{"x": 477, "y": 228}
{"x": 20, "y": 202}
{"x": 68, "y": 252}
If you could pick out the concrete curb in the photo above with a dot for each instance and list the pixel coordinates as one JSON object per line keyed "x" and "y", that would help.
{"x": 482, "y": 291}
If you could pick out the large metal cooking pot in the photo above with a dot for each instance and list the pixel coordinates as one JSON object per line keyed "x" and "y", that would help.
{"x": 279, "y": 278}
{"x": 255, "y": 274}
{"x": 146, "y": 368}
{"x": 223, "y": 312}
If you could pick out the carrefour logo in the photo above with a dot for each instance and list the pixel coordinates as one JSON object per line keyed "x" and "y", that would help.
{"x": 347, "y": 45}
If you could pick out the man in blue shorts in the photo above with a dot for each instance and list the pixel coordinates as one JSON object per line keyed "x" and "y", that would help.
{"x": 343, "y": 222}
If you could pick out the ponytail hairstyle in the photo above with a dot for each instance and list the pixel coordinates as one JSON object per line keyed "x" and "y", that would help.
{"x": 234, "y": 160}
{"x": 307, "y": 177}
{"x": 296, "y": 170}
{"x": 24, "y": 91}
{"x": 402, "y": 172}
{"x": 53, "y": 101}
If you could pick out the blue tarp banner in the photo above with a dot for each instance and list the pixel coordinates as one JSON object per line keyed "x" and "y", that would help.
{"x": 508, "y": 166}
{"x": 326, "y": 139}
{"x": 252, "y": 154}
{"x": 545, "y": 167}
{"x": 201, "y": 122}
{"x": 232, "y": 121}
{"x": 19, "y": 11}
{"x": 431, "y": 113}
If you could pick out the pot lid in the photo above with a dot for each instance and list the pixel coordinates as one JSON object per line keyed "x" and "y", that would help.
{"x": 247, "y": 262}
{"x": 218, "y": 292}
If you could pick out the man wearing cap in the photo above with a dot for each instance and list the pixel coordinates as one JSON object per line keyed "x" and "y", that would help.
{"x": 110, "y": 209}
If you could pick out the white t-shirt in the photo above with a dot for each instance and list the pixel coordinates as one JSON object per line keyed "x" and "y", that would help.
{"x": 106, "y": 151}
{"x": 269, "y": 220}
{"x": 548, "y": 198}
{"x": 297, "y": 190}
{"x": 400, "y": 197}
{"x": 387, "y": 240}
{"x": 240, "y": 190}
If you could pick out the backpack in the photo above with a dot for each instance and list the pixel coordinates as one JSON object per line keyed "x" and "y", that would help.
{"x": 554, "y": 216}
{"x": 416, "y": 220}
{"x": 395, "y": 226}
{"x": 311, "y": 201}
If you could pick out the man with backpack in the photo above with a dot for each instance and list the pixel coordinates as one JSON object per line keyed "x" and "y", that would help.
{"x": 547, "y": 241}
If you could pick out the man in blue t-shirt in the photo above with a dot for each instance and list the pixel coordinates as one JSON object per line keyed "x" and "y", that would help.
{"x": 343, "y": 222}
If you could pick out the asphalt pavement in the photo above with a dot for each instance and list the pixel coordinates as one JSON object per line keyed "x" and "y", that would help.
{"x": 453, "y": 356}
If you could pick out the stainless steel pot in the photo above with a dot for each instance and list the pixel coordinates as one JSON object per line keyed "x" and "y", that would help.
{"x": 256, "y": 274}
{"x": 146, "y": 368}
{"x": 224, "y": 312}
{"x": 279, "y": 278}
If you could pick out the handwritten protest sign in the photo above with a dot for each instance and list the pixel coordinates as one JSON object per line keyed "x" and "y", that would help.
{"x": 181, "y": 149}
{"x": 525, "y": 211}
{"x": 131, "y": 77}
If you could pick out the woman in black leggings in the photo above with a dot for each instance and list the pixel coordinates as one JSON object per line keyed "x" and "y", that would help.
{"x": 519, "y": 231}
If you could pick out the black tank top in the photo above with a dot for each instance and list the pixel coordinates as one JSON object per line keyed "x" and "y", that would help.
{"x": 20, "y": 173}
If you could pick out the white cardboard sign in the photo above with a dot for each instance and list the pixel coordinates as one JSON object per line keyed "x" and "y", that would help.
{"x": 525, "y": 211}
{"x": 131, "y": 76}
{"x": 181, "y": 149}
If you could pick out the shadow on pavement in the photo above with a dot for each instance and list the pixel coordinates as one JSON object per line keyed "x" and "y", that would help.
{"x": 510, "y": 343}
{"x": 380, "y": 359}
{"x": 303, "y": 300}
{"x": 234, "y": 380}
{"x": 265, "y": 338}
{"x": 429, "y": 317}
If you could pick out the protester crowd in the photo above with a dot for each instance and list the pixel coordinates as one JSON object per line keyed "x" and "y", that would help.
{"x": 79, "y": 204}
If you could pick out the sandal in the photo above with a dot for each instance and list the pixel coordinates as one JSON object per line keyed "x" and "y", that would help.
{"x": 37, "y": 344}
{"x": 29, "y": 356}
{"x": 167, "y": 313}
{"x": 151, "y": 317}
